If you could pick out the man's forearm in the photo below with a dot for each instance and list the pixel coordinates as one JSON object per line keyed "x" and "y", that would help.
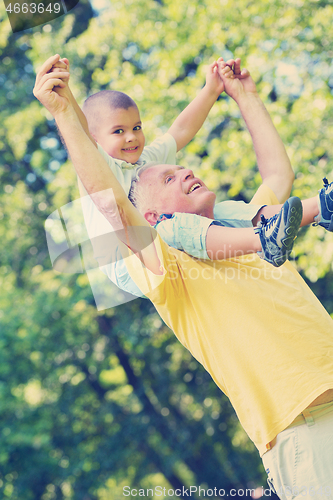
{"x": 81, "y": 116}
{"x": 89, "y": 164}
{"x": 192, "y": 118}
{"x": 106, "y": 192}
{"x": 273, "y": 162}
{"x": 95, "y": 174}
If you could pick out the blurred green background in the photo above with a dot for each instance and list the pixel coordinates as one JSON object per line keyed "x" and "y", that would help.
{"x": 92, "y": 401}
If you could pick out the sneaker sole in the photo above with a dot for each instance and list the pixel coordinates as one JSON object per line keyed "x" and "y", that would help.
{"x": 327, "y": 224}
{"x": 326, "y": 200}
{"x": 330, "y": 226}
{"x": 292, "y": 220}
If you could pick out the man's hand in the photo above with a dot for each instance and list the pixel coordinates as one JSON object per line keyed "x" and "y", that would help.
{"x": 49, "y": 86}
{"x": 237, "y": 82}
{"x": 273, "y": 162}
{"x": 52, "y": 90}
{"x": 214, "y": 82}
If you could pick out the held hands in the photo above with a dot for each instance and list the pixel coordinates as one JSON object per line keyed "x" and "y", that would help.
{"x": 237, "y": 82}
{"x": 51, "y": 86}
{"x": 62, "y": 66}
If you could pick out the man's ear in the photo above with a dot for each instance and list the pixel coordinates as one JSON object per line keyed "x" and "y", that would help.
{"x": 151, "y": 217}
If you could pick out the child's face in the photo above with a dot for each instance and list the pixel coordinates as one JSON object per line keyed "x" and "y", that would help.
{"x": 120, "y": 134}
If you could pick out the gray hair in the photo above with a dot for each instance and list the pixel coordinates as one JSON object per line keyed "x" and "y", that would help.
{"x": 139, "y": 192}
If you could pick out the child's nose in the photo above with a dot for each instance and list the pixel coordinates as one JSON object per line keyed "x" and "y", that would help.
{"x": 130, "y": 136}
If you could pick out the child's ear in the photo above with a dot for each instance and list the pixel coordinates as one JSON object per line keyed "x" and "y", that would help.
{"x": 151, "y": 217}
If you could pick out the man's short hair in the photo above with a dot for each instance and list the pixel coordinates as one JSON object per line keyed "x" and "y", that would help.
{"x": 139, "y": 192}
{"x": 94, "y": 105}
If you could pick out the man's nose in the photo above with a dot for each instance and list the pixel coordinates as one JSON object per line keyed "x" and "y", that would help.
{"x": 186, "y": 174}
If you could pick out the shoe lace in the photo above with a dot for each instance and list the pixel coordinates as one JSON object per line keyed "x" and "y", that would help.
{"x": 327, "y": 184}
{"x": 267, "y": 223}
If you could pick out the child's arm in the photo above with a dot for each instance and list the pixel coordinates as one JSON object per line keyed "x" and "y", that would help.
{"x": 192, "y": 118}
{"x": 100, "y": 183}
{"x": 62, "y": 65}
{"x": 273, "y": 162}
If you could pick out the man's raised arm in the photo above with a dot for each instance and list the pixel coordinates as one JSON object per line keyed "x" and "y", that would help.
{"x": 56, "y": 65}
{"x": 96, "y": 176}
{"x": 273, "y": 162}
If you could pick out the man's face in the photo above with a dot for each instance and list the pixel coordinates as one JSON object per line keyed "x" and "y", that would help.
{"x": 172, "y": 189}
{"x": 120, "y": 134}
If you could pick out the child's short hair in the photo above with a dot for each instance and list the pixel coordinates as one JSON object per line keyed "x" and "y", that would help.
{"x": 105, "y": 100}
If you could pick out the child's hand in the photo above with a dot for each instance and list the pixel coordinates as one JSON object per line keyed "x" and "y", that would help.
{"x": 50, "y": 86}
{"x": 237, "y": 83}
{"x": 213, "y": 80}
{"x": 62, "y": 66}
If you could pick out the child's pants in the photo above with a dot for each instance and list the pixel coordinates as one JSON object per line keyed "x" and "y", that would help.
{"x": 300, "y": 463}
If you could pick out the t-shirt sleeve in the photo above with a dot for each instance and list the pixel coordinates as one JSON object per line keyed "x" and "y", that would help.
{"x": 162, "y": 150}
{"x": 264, "y": 196}
{"x": 186, "y": 232}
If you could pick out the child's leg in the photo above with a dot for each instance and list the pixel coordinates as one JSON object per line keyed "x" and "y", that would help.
{"x": 310, "y": 211}
{"x": 273, "y": 239}
{"x": 227, "y": 242}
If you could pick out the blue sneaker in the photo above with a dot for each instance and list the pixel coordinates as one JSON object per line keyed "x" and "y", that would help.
{"x": 277, "y": 234}
{"x": 325, "y": 216}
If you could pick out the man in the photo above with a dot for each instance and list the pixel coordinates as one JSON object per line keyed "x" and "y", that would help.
{"x": 260, "y": 332}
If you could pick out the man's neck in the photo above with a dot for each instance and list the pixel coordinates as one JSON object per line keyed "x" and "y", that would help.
{"x": 208, "y": 212}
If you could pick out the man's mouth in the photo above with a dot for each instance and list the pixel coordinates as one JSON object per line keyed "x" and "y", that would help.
{"x": 193, "y": 187}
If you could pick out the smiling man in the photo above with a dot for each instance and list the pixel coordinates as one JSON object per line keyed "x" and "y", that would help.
{"x": 173, "y": 188}
{"x": 260, "y": 332}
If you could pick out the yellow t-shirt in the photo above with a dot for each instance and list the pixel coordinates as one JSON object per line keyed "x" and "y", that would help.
{"x": 258, "y": 330}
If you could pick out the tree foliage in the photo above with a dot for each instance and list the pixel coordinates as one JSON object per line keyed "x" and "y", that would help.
{"x": 92, "y": 401}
